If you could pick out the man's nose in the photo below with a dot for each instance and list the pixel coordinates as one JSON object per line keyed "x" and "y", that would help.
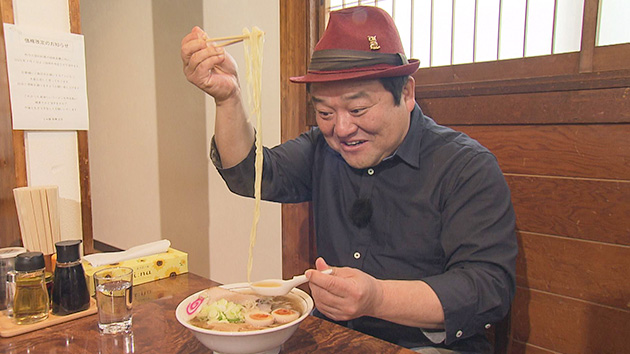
{"x": 345, "y": 125}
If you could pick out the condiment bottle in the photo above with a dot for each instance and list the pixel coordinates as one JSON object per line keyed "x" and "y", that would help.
{"x": 70, "y": 292}
{"x": 7, "y": 264}
{"x": 49, "y": 285}
{"x": 30, "y": 303}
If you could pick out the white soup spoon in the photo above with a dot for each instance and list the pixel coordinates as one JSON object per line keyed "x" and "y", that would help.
{"x": 278, "y": 287}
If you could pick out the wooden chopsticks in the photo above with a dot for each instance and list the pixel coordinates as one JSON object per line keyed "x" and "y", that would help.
{"x": 229, "y": 40}
{"x": 38, "y": 216}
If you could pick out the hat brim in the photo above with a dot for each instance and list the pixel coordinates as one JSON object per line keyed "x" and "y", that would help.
{"x": 358, "y": 73}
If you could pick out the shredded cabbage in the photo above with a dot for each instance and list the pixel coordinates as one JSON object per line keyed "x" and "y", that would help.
{"x": 222, "y": 311}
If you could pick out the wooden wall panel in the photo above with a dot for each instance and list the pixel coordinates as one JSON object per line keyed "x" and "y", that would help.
{"x": 9, "y": 228}
{"x": 525, "y": 348}
{"x": 606, "y": 58}
{"x": 570, "y": 187}
{"x": 561, "y": 64}
{"x": 612, "y": 57}
{"x": 83, "y": 154}
{"x": 86, "y": 194}
{"x": 592, "y": 271}
{"x": 582, "y": 82}
{"x": 589, "y": 151}
{"x": 595, "y": 210}
{"x": 565, "y": 325}
{"x": 588, "y": 106}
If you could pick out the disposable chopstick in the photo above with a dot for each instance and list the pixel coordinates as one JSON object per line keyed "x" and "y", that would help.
{"x": 23, "y": 216}
{"x": 47, "y": 221}
{"x": 225, "y": 44}
{"x": 38, "y": 216}
{"x": 40, "y": 234}
{"x": 228, "y": 40}
{"x": 53, "y": 205}
{"x": 220, "y": 39}
{"x": 29, "y": 234}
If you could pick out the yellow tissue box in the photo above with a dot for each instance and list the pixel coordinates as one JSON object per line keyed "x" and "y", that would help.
{"x": 145, "y": 269}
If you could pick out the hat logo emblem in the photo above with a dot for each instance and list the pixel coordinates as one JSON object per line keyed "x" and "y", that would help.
{"x": 373, "y": 43}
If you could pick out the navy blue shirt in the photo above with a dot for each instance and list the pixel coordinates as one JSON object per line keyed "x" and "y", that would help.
{"x": 437, "y": 210}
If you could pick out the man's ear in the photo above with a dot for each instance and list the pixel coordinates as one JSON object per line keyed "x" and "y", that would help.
{"x": 409, "y": 94}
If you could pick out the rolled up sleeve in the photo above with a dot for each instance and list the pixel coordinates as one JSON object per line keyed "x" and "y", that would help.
{"x": 478, "y": 239}
{"x": 286, "y": 170}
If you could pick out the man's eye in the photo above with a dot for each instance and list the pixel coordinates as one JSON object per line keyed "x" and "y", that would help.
{"x": 357, "y": 111}
{"x": 324, "y": 115}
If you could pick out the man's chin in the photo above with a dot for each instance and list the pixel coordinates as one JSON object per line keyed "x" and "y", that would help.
{"x": 357, "y": 163}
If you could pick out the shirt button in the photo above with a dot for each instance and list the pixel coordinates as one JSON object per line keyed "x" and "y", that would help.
{"x": 459, "y": 334}
{"x": 357, "y": 255}
{"x": 370, "y": 171}
{"x": 487, "y": 326}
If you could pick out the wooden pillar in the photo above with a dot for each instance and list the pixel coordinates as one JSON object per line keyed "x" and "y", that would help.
{"x": 12, "y": 161}
{"x": 299, "y": 31}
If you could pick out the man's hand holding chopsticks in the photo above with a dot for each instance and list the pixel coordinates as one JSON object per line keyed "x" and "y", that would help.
{"x": 209, "y": 67}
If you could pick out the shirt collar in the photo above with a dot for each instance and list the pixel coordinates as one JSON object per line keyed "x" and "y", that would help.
{"x": 409, "y": 149}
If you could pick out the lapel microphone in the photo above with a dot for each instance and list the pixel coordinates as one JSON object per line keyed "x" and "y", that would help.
{"x": 361, "y": 212}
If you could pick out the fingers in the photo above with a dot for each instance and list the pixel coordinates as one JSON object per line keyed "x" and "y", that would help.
{"x": 204, "y": 60}
{"x": 334, "y": 284}
{"x": 192, "y": 42}
{"x": 345, "y": 294}
{"x": 196, "y": 50}
{"x": 200, "y": 58}
{"x": 194, "y": 45}
{"x": 195, "y": 33}
{"x": 330, "y": 305}
{"x": 320, "y": 264}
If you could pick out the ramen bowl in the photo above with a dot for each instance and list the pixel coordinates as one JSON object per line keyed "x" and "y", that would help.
{"x": 263, "y": 341}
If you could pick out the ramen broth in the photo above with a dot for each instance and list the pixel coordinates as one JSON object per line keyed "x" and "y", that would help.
{"x": 267, "y": 284}
{"x": 264, "y": 304}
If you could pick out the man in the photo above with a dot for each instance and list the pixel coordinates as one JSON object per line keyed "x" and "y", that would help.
{"x": 414, "y": 218}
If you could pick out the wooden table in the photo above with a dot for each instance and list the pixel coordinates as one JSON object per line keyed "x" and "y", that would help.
{"x": 156, "y": 330}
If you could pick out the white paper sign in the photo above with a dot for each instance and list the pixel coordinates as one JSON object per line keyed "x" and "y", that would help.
{"x": 47, "y": 80}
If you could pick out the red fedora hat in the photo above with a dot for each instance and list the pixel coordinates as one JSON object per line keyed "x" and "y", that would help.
{"x": 359, "y": 42}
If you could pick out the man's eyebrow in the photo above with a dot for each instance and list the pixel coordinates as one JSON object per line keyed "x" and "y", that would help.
{"x": 316, "y": 100}
{"x": 353, "y": 96}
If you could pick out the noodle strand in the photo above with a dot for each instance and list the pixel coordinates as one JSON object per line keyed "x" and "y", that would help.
{"x": 253, "y": 47}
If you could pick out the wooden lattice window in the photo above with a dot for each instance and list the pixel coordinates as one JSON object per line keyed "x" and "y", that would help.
{"x": 442, "y": 32}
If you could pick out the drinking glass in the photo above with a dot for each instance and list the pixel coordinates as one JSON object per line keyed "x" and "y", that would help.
{"x": 120, "y": 343}
{"x": 113, "y": 288}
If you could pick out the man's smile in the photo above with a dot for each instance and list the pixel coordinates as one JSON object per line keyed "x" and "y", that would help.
{"x": 353, "y": 143}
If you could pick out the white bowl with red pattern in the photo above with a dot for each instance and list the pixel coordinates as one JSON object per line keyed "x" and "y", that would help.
{"x": 264, "y": 341}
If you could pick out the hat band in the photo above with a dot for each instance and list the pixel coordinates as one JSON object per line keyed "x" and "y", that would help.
{"x": 341, "y": 59}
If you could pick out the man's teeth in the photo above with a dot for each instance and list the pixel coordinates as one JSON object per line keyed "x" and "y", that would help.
{"x": 352, "y": 143}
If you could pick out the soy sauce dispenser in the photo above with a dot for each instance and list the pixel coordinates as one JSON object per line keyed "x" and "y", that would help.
{"x": 70, "y": 292}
